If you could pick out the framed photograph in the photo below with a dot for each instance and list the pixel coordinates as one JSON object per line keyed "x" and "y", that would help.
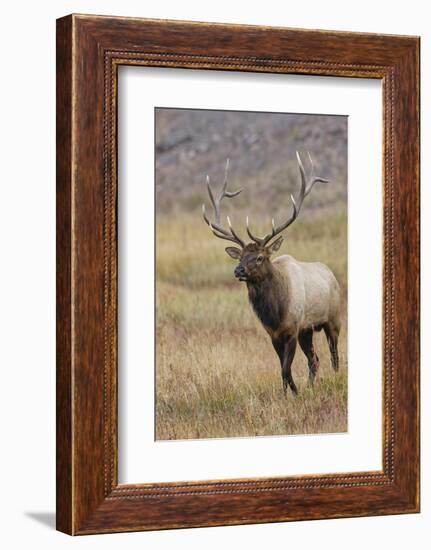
{"x": 237, "y": 274}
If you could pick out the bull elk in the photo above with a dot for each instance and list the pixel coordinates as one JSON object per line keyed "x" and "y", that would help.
{"x": 292, "y": 299}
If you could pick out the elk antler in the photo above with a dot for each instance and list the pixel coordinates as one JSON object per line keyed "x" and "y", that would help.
{"x": 215, "y": 226}
{"x": 306, "y": 186}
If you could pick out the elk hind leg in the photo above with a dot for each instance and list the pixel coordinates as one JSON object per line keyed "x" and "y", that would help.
{"x": 306, "y": 342}
{"x": 332, "y": 333}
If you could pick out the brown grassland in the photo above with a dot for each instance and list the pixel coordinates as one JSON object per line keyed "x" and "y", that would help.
{"x": 217, "y": 374}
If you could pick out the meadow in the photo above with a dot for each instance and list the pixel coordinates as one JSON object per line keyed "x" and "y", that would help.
{"x": 217, "y": 374}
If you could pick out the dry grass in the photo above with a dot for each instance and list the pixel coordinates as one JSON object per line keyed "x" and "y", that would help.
{"x": 217, "y": 374}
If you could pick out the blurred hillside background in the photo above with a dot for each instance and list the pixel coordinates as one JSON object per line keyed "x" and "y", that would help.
{"x": 261, "y": 148}
{"x": 217, "y": 374}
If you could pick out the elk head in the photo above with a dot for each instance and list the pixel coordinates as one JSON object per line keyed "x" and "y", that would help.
{"x": 254, "y": 257}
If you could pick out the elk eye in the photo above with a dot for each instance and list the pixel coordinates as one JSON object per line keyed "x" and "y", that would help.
{"x": 259, "y": 259}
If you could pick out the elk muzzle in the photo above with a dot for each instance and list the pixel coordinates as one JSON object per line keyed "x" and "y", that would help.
{"x": 240, "y": 273}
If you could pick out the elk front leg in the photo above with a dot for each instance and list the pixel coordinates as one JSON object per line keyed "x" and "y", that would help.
{"x": 286, "y": 369}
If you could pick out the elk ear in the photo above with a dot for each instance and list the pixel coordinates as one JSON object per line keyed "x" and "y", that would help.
{"x": 234, "y": 252}
{"x": 275, "y": 245}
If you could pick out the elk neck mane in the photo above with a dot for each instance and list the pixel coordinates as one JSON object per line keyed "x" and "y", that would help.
{"x": 269, "y": 297}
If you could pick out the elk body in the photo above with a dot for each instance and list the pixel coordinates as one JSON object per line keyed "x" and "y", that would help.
{"x": 292, "y": 299}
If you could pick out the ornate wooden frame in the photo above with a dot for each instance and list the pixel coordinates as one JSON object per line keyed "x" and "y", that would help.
{"x": 89, "y": 51}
